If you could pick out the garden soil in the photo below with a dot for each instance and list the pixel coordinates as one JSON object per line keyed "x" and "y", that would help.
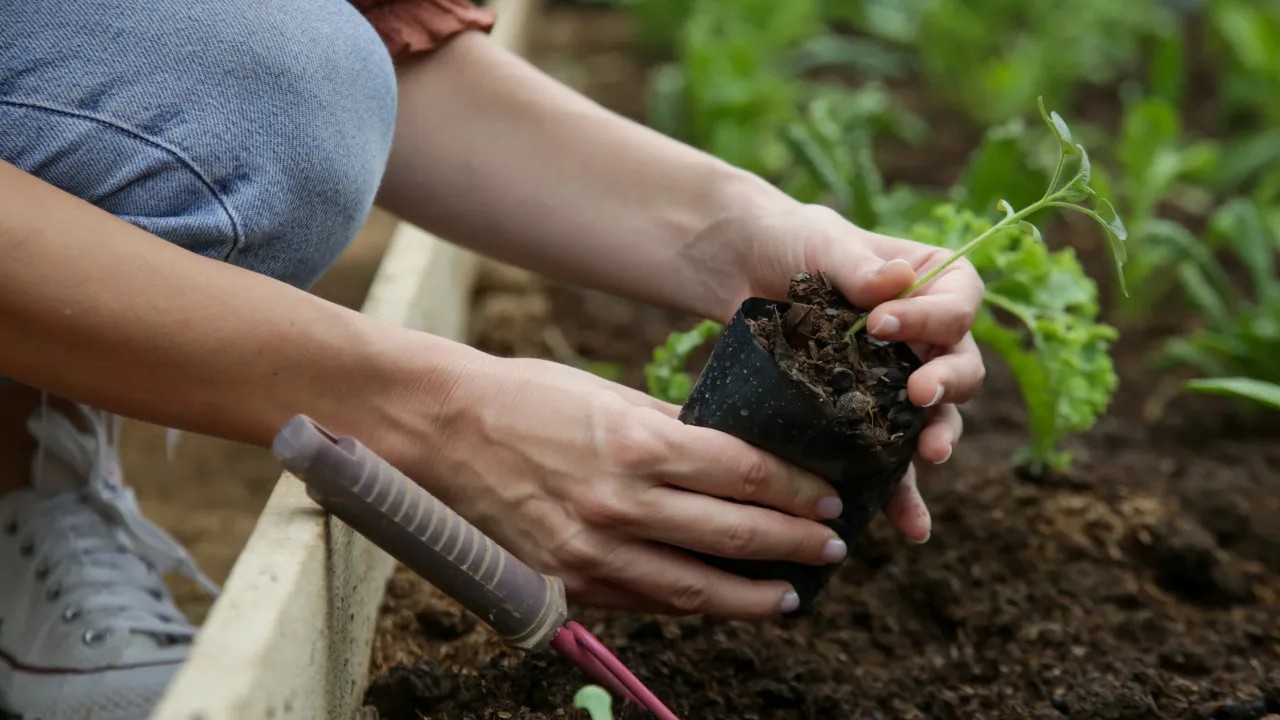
{"x": 1144, "y": 583}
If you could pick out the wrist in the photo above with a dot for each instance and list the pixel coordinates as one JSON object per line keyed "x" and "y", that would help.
{"x": 718, "y": 254}
{"x": 411, "y": 396}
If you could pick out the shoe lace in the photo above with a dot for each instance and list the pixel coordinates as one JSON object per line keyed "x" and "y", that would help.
{"x": 98, "y": 551}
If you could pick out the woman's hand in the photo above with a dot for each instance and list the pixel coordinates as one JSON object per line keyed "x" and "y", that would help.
{"x": 757, "y": 253}
{"x": 588, "y": 480}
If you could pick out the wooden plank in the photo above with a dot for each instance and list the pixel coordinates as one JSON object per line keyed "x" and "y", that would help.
{"x": 291, "y": 634}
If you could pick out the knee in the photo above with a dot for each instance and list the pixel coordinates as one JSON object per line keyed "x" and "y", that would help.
{"x": 257, "y": 134}
{"x": 318, "y": 108}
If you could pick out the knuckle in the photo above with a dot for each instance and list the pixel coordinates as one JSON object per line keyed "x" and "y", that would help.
{"x": 636, "y": 447}
{"x": 609, "y": 510}
{"x": 964, "y": 317}
{"x": 739, "y": 540}
{"x": 691, "y": 595}
{"x": 822, "y": 214}
{"x": 582, "y": 555}
{"x": 753, "y": 477}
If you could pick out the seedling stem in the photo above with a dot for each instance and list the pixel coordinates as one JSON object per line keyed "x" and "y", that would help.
{"x": 1067, "y": 196}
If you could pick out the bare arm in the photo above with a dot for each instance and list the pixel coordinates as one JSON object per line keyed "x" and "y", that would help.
{"x": 491, "y": 153}
{"x": 101, "y": 312}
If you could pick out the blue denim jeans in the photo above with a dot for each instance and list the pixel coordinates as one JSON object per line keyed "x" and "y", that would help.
{"x": 251, "y": 131}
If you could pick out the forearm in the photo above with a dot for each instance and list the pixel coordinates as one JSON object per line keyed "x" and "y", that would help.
{"x": 101, "y": 312}
{"x": 493, "y": 154}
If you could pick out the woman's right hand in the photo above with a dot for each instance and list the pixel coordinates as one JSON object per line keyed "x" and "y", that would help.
{"x": 595, "y": 482}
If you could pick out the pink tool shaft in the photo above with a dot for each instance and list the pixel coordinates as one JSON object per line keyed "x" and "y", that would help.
{"x": 584, "y": 650}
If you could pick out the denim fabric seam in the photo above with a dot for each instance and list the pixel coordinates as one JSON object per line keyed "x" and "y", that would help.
{"x": 188, "y": 163}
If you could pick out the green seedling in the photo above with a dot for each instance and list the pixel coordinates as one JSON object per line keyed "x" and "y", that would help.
{"x": 1040, "y": 312}
{"x": 1040, "y": 315}
{"x": 665, "y": 375}
{"x": 596, "y": 701}
{"x": 1062, "y": 194}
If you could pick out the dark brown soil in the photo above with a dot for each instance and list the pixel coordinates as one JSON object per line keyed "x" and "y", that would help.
{"x": 1143, "y": 583}
{"x": 861, "y": 380}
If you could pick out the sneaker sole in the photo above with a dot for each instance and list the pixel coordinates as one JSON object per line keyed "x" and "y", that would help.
{"x": 129, "y": 695}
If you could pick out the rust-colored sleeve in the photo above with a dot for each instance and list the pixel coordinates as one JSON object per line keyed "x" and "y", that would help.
{"x": 413, "y": 27}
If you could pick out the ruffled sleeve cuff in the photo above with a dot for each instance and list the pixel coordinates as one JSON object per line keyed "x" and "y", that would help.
{"x": 415, "y": 27}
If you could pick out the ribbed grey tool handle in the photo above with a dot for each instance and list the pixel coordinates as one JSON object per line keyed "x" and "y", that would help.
{"x": 348, "y": 480}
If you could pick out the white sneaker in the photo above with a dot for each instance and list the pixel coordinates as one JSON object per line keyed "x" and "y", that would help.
{"x": 88, "y": 630}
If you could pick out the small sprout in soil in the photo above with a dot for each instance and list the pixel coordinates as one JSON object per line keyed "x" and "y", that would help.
{"x": 1066, "y": 194}
{"x": 666, "y": 376}
{"x": 596, "y": 701}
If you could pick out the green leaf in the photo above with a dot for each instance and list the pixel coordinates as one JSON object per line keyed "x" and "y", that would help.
{"x": 1085, "y": 173}
{"x": 1076, "y": 193}
{"x": 595, "y": 700}
{"x": 1241, "y": 225}
{"x": 1056, "y": 347}
{"x": 1114, "y": 224}
{"x": 1116, "y": 235}
{"x": 1032, "y": 230}
{"x": 1203, "y": 296}
{"x": 1007, "y": 208}
{"x": 665, "y": 375}
{"x": 868, "y": 55}
{"x": 999, "y": 167}
{"x": 1148, "y": 127}
{"x": 1059, "y": 128}
{"x": 1259, "y": 391}
{"x": 817, "y": 161}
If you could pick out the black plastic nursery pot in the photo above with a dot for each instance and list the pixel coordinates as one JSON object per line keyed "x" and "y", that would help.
{"x": 828, "y": 427}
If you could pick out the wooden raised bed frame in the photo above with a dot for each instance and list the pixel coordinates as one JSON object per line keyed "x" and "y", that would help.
{"x": 290, "y": 635}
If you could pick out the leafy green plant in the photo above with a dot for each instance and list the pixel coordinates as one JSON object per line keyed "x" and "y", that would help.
{"x": 834, "y": 143}
{"x": 1040, "y": 316}
{"x": 595, "y": 700}
{"x": 1062, "y": 193}
{"x": 1155, "y": 165}
{"x": 731, "y": 86}
{"x": 1236, "y": 350}
{"x": 1041, "y": 308}
{"x": 665, "y": 375}
{"x": 996, "y": 56}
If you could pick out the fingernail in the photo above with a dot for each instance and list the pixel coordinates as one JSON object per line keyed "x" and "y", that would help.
{"x": 950, "y": 449}
{"x": 834, "y": 551}
{"x": 790, "y": 603}
{"x": 888, "y": 325}
{"x": 895, "y": 261}
{"x": 829, "y": 508}
{"x": 925, "y": 540}
{"x": 936, "y": 396}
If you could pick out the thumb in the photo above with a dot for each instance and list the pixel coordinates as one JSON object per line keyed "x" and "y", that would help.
{"x": 863, "y": 277}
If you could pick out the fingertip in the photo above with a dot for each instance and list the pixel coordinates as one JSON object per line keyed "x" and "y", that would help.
{"x": 936, "y": 443}
{"x": 869, "y": 288}
{"x": 896, "y": 270}
{"x": 908, "y": 512}
{"x": 790, "y": 602}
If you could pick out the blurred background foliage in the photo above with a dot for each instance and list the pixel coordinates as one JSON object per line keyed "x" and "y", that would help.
{"x": 1177, "y": 102}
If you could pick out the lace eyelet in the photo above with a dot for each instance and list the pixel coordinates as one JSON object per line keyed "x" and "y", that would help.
{"x": 53, "y": 593}
{"x": 71, "y": 614}
{"x": 26, "y": 550}
{"x": 95, "y": 636}
{"x": 42, "y": 572}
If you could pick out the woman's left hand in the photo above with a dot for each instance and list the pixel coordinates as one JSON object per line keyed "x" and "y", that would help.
{"x": 757, "y": 254}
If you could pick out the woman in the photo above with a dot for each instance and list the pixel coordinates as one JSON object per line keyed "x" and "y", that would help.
{"x": 175, "y": 175}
